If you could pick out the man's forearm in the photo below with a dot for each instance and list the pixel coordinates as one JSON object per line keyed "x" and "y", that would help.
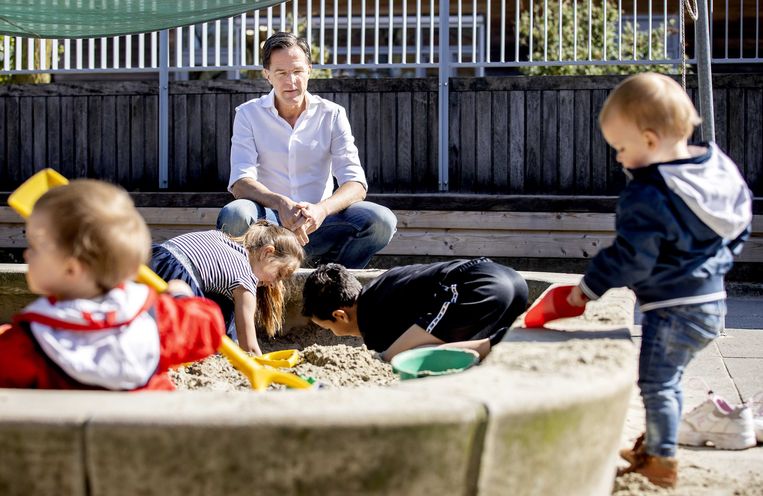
{"x": 251, "y": 189}
{"x": 347, "y": 194}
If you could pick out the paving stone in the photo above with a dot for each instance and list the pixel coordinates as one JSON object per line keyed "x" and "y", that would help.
{"x": 741, "y": 343}
{"x": 747, "y": 374}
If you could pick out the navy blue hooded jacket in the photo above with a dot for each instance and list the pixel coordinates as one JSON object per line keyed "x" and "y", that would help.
{"x": 678, "y": 226}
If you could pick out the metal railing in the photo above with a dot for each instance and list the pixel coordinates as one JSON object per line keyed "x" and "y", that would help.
{"x": 387, "y": 34}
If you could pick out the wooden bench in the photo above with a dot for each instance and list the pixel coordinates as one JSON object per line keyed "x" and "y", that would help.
{"x": 437, "y": 225}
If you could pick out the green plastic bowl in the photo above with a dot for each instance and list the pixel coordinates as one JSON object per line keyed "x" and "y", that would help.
{"x": 426, "y": 362}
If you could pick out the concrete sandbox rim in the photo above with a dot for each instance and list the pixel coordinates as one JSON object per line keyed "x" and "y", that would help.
{"x": 493, "y": 429}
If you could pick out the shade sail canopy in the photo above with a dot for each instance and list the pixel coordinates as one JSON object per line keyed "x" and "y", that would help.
{"x": 96, "y": 18}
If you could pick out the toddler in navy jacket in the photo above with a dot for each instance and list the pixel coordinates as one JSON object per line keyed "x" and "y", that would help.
{"x": 682, "y": 217}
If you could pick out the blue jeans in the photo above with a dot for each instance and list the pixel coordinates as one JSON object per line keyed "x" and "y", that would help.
{"x": 350, "y": 237}
{"x": 670, "y": 339}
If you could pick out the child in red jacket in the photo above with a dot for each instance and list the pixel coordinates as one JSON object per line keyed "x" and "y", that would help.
{"x": 93, "y": 328}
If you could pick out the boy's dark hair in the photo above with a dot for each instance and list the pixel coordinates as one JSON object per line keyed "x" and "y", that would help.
{"x": 283, "y": 40}
{"x": 330, "y": 287}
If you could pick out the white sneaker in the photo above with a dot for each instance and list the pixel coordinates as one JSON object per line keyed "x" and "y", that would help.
{"x": 757, "y": 415}
{"x": 716, "y": 421}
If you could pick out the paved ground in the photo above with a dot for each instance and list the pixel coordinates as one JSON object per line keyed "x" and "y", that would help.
{"x": 732, "y": 367}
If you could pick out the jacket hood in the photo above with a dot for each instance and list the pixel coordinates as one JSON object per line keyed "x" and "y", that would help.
{"x": 713, "y": 189}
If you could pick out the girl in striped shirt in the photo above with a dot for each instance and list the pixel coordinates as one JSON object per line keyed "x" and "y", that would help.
{"x": 243, "y": 274}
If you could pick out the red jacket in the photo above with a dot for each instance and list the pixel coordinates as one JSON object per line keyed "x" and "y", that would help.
{"x": 127, "y": 340}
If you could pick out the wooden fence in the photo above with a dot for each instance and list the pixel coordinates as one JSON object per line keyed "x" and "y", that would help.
{"x": 508, "y": 135}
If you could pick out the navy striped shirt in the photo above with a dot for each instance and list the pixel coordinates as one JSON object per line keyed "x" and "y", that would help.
{"x": 221, "y": 263}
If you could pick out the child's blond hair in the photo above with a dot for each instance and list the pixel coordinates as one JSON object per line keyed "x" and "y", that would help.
{"x": 97, "y": 223}
{"x": 270, "y": 299}
{"x": 653, "y": 102}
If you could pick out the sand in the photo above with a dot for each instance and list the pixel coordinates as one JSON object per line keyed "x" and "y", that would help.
{"x": 333, "y": 362}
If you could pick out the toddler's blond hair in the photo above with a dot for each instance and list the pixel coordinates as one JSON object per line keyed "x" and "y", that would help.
{"x": 653, "y": 102}
{"x": 97, "y": 223}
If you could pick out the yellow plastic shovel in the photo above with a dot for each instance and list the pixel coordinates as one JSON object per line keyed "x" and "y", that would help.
{"x": 22, "y": 201}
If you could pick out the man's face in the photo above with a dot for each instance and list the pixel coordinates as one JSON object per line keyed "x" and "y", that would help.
{"x": 288, "y": 74}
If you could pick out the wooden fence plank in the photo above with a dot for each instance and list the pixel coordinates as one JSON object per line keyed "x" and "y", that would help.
{"x": 124, "y": 129}
{"x": 517, "y": 149}
{"x": 26, "y": 128}
{"x": 550, "y": 137}
{"x": 484, "y": 163}
{"x": 179, "y": 140}
{"x": 422, "y": 178}
{"x": 374, "y": 142}
{"x": 194, "y": 157}
{"x": 108, "y": 157}
{"x": 534, "y": 143}
{"x": 754, "y": 141}
{"x": 505, "y": 221}
{"x": 736, "y": 115}
{"x": 403, "y": 175}
{"x": 388, "y": 137}
{"x": 39, "y": 137}
{"x": 598, "y": 145}
{"x": 434, "y": 153}
{"x": 81, "y": 124}
{"x": 53, "y": 132}
{"x": 720, "y": 112}
{"x": 151, "y": 164}
{"x": 454, "y": 143}
{"x": 566, "y": 139}
{"x": 582, "y": 138}
{"x": 474, "y": 243}
{"x": 13, "y": 146}
{"x": 468, "y": 156}
{"x": 357, "y": 118}
{"x": 499, "y": 140}
{"x": 137, "y": 139}
{"x": 206, "y": 168}
{"x": 68, "y": 143}
{"x": 94, "y": 134}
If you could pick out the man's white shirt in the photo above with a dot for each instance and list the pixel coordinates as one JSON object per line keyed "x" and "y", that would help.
{"x": 295, "y": 162}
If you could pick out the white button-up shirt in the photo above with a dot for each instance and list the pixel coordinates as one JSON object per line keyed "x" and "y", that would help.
{"x": 295, "y": 162}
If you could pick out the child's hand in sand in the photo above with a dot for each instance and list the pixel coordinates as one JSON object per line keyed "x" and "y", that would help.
{"x": 577, "y": 298}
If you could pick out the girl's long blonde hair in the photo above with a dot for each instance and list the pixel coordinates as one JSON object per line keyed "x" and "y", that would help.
{"x": 270, "y": 299}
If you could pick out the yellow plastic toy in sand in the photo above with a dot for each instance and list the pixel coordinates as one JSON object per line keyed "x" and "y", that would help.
{"x": 22, "y": 201}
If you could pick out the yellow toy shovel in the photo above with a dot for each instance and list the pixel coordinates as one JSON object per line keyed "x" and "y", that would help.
{"x": 22, "y": 201}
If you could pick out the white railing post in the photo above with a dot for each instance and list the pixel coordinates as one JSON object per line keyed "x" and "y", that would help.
{"x": 704, "y": 74}
{"x": 442, "y": 101}
{"x": 164, "y": 101}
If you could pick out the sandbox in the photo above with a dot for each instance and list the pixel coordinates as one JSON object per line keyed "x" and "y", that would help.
{"x": 541, "y": 415}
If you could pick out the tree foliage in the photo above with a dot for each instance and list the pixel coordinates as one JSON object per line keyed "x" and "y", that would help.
{"x": 602, "y": 13}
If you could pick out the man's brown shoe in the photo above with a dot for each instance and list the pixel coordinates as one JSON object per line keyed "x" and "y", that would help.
{"x": 660, "y": 470}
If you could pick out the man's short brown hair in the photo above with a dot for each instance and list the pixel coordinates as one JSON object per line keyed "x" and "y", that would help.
{"x": 283, "y": 40}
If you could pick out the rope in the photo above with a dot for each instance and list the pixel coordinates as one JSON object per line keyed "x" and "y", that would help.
{"x": 692, "y": 9}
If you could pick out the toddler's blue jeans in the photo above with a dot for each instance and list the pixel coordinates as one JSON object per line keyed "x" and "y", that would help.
{"x": 670, "y": 339}
{"x": 350, "y": 237}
